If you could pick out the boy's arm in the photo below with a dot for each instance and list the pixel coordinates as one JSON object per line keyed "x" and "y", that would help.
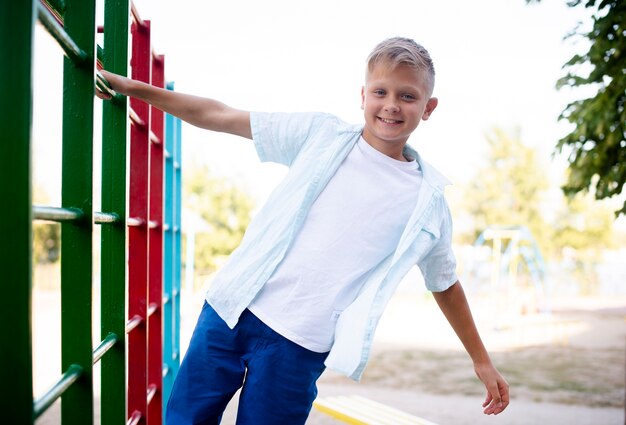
{"x": 454, "y": 306}
{"x": 199, "y": 111}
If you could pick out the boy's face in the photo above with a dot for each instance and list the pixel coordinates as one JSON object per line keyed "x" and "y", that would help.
{"x": 394, "y": 101}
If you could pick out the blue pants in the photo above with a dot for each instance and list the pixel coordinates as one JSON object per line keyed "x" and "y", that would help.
{"x": 277, "y": 376}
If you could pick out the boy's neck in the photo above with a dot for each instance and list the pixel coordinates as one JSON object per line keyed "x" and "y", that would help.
{"x": 392, "y": 150}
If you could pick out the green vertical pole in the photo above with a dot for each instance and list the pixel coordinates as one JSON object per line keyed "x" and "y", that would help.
{"x": 16, "y": 40}
{"x": 76, "y": 247}
{"x": 113, "y": 290}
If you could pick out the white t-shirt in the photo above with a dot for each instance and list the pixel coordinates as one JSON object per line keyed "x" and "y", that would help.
{"x": 355, "y": 223}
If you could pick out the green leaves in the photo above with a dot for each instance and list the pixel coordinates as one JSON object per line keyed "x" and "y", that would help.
{"x": 224, "y": 207}
{"x": 596, "y": 146}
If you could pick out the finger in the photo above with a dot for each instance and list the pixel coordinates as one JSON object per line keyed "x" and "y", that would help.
{"x": 501, "y": 402}
{"x": 103, "y": 95}
{"x": 487, "y": 399}
{"x": 496, "y": 400}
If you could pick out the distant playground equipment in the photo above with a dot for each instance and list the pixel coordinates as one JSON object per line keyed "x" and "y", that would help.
{"x": 518, "y": 273}
{"x": 140, "y": 241}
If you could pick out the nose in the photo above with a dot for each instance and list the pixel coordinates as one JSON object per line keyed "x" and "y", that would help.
{"x": 392, "y": 107}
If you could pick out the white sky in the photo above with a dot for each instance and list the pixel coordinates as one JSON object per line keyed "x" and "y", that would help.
{"x": 496, "y": 61}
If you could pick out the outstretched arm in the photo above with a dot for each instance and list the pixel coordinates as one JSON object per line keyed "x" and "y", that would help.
{"x": 199, "y": 111}
{"x": 454, "y": 306}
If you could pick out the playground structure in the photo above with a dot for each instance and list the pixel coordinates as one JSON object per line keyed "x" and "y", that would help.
{"x": 511, "y": 250}
{"x": 140, "y": 235}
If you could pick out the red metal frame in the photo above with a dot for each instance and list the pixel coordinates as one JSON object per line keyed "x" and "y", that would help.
{"x": 145, "y": 238}
{"x": 155, "y": 254}
{"x": 138, "y": 233}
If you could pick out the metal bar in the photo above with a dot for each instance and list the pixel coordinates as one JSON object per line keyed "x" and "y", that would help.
{"x": 69, "y": 46}
{"x": 135, "y": 15}
{"x": 152, "y": 308}
{"x": 77, "y": 403}
{"x": 135, "y": 222}
{"x": 103, "y": 85}
{"x": 152, "y": 391}
{"x": 134, "y": 118}
{"x": 138, "y": 235}
{"x": 99, "y": 57}
{"x": 168, "y": 259}
{"x": 55, "y": 12}
{"x": 17, "y": 22}
{"x": 177, "y": 244}
{"x": 56, "y": 214}
{"x": 113, "y": 253}
{"x": 105, "y": 218}
{"x": 69, "y": 377}
{"x": 58, "y": 6}
{"x": 134, "y": 418}
{"x": 153, "y": 137}
{"x": 106, "y": 344}
{"x": 133, "y": 323}
{"x": 155, "y": 253}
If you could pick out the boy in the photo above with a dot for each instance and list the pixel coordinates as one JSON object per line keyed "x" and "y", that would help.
{"x": 317, "y": 265}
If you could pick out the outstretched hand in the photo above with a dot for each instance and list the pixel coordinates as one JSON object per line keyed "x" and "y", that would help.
{"x": 497, "y": 389}
{"x": 116, "y": 82}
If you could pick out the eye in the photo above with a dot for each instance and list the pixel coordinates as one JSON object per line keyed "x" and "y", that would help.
{"x": 408, "y": 97}
{"x": 378, "y": 92}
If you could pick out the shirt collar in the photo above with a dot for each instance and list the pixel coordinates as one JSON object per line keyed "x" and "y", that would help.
{"x": 429, "y": 173}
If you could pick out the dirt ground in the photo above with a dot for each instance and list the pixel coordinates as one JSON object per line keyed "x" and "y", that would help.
{"x": 566, "y": 367}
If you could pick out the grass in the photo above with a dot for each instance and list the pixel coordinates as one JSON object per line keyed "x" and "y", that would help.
{"x": 563, "y": 374}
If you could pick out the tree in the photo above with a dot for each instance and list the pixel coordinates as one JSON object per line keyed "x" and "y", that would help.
{"x": 596, "y": 147}
{"x": 509, "y": 189}
{"x": 512, "y": 189}
{"x": 226, "y": 209}
{"x": 46, "y": 236}
{"x": 582, "y": 231}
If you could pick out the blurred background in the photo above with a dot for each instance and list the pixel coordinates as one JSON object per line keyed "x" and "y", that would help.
{"x": 544, "y": 268}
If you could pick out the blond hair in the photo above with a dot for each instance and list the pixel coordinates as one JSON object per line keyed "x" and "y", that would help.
{"x": 399, "y": 51}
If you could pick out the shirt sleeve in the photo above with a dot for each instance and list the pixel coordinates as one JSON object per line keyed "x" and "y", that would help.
{"x": 439, "y": 266}
{"x": 279, "y": 137}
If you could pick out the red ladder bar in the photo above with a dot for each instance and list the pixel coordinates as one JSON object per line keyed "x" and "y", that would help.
{"x": 138, "y": 229}
{"x": 155, "y": 254}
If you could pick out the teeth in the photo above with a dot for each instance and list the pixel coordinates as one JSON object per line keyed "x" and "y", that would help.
{"x": 389, "y": 121}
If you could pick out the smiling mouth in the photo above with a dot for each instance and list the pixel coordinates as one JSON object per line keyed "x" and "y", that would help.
{"x": 389, "y": 121}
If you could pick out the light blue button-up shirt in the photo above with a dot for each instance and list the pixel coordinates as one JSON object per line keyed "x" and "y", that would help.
{"x": 313, "y": 145}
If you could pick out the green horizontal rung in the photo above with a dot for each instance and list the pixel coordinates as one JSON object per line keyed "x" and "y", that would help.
{"x": 56, "y": 214}
{"x": 57, "y": 5}
{"x": 105, "y": 218}
{"x": 103, "y": 85}
{"x": 69, "y": 377}
{"x": 106, "y": 344}
{"x": 56, "y": 30}
{"x": 66, "y": 381}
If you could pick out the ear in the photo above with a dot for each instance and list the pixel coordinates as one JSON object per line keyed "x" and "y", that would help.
{"x": 363, "y": 97}
{"x": 430, "y": 107}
